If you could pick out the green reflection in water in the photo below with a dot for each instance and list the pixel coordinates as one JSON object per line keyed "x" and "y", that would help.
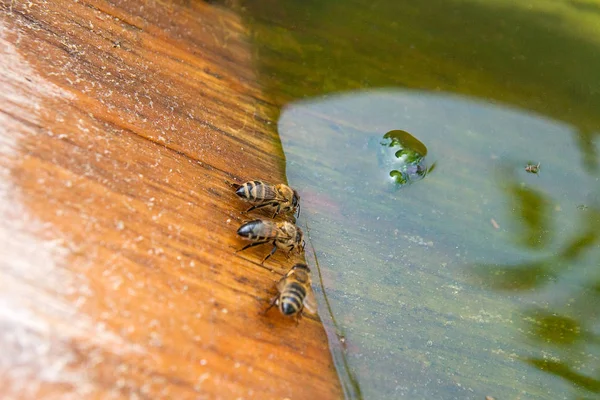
{"x": 539, "y": 55}
{"x": 566, "y": 328}
{"x": 416, "y": 322}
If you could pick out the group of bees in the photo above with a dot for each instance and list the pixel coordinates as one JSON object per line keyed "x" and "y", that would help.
{"x": 294, "y": 289}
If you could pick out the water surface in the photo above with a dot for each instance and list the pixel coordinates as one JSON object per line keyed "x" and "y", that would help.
{"x": 478, "y": 278}
{"x": 442, "y": 289}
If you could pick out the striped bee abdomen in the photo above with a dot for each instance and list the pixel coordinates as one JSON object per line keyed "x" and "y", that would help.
{"x": 292, "y": 298}
{"x": 253, "y": 191}
{"x": 251, "y": 230}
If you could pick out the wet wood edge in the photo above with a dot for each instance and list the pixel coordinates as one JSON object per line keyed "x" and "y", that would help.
{"x": 120, "y": 123}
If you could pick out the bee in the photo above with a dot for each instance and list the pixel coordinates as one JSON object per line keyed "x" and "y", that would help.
{"x": 262, "y": 194}
{"x": 295, "y": 293}
{"x": 283, "y": 235}
{"x": 532, "y": 168}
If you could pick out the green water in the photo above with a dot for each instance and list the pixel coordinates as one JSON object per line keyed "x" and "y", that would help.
{"x": 480, "y": 279}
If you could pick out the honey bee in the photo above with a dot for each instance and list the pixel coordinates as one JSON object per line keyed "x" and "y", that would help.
{"x": 295, "y": 293}
{"x": 262, "y": 194}
{"x": 283, "y": 235}
{"x": 532, "y": 168}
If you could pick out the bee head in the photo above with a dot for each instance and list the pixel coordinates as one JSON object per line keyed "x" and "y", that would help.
{"x": 299, "y": 237}
{"x": 296, "y": 201}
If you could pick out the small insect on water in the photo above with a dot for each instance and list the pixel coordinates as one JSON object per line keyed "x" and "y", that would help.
{"x": 281, "y": 198}
{"x": 533, "y": 168}
{"x": 295, "y": 293}
{"x": 283, "y": 235}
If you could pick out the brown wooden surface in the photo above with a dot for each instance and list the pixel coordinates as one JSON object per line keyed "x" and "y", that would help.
{"x": 119, "y": 123}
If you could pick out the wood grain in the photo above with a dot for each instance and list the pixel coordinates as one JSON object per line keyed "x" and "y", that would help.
{"x": 120, "y": 123}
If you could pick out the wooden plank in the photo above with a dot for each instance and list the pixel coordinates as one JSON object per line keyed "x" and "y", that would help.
{"x": 119, "y": 124}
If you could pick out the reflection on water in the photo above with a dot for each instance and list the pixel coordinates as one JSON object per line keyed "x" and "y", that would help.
{"x": 565, "y": 327}
{"x": 409, "y": 320}
{"x": 402, "y": 156}
{"x": 540, "y": 55}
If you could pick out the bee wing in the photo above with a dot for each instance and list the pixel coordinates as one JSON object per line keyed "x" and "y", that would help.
{"x": 271, "y": 193}
{"x": 310, "y": 302}
{"x": 272, "y": 231}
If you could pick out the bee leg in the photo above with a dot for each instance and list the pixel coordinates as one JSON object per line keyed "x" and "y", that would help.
{"x": 257, "y": 206}
{"x": 277, "y": 211}
{"x": 273, "y": 303}
{"x": 233, "y": 185}
{"x": 251, "y": 245}
{"x": 273, "y": 250}
{"x": 290, "y": 249}
{"x": 299, "y": 316}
